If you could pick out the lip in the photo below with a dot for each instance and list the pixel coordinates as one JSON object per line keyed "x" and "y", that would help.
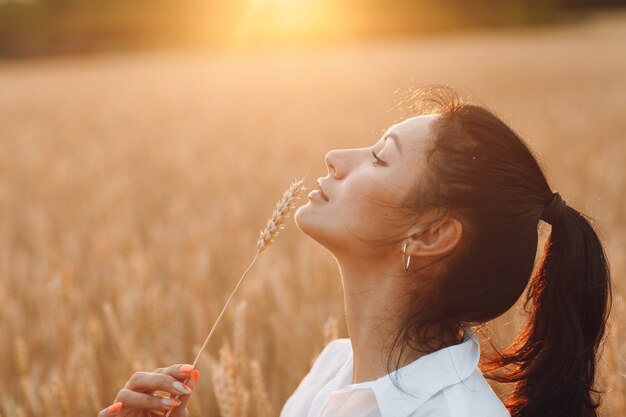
{"x": 321, "y": 190}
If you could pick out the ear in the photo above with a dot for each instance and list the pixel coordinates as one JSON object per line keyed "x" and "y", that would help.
{"x": 439, "y": 239}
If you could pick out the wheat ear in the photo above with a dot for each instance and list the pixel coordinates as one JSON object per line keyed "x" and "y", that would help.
{"x": 276, "y": 222}
{"x": 274, "y": 225}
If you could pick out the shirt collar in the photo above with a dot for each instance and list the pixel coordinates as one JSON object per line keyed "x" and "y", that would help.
{"x": 424, "y": 377}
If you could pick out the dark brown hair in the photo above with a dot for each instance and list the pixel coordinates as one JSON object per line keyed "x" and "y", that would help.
{"x": 483, "y": 173}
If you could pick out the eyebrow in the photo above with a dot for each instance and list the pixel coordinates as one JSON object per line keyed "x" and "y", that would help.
{"x": 395, "y": 140}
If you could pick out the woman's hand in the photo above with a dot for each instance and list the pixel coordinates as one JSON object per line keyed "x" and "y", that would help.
{"x": 137, "y": 398}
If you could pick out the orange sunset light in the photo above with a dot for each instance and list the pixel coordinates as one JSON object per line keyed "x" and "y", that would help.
{"x": 289, "y": 21}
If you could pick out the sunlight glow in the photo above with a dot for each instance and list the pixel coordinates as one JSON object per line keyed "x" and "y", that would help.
{"x": 287, "y": 21}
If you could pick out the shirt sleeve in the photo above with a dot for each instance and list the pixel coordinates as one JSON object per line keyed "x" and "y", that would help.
{"x": 325, "y": 367}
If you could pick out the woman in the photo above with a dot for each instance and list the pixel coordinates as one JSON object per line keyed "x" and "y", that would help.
{"x": 434, "y": 229}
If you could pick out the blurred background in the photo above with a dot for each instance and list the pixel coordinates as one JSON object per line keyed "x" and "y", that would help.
{"x": 41, "y": 27}
{"x": 143, "y": 145}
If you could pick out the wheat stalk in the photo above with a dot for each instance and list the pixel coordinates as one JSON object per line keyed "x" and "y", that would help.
{"x": 61, "y": 395}
{"x": 47, "y": 401}
{"x": 274, "y": 225}
{"x": 264, "y": 407}
{"x": 239, "y": 335}
{"x": 113, "y": 326}
{"x": 218, "y": 378}
{"x": 330, "y": 330}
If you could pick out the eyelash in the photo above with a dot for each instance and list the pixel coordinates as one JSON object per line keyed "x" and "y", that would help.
{"x": 378, "y": 161}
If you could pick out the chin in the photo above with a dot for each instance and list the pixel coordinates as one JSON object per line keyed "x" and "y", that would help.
{"x": 308, "y": 221}
{"x": 312, "y": 224}
{"x": 302, "y": 219}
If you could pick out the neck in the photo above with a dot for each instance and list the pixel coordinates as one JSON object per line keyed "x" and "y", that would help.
{"x": 374, "y": 302}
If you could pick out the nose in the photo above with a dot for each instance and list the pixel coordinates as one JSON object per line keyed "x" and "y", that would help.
{"x": 331, "y": 162}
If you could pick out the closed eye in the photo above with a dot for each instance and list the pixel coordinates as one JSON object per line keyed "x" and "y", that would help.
{"x": 378, "y": 161}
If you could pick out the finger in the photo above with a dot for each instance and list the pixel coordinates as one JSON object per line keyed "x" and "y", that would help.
{"x": 184, "y": 399}
{"x": 182, "y": 372}
{"x": 179, "y": 412}
{"x": 111, "y": 410}
{"x": 132, "y": 399}
{"x": 195, "y": 376}
{"x": 148, "y": 382}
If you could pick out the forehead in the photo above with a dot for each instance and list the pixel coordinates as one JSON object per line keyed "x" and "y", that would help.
{"x": 414, "y": 132}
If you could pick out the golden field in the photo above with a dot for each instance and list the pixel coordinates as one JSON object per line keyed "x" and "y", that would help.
{"x": 133, "y": 188}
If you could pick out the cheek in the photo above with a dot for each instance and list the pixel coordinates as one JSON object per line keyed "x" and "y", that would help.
{"x": 367, "y": 200}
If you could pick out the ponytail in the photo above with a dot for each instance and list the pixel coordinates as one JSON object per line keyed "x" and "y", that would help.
{"x": 484, "y": 173}
{"x": 554, "y": 357}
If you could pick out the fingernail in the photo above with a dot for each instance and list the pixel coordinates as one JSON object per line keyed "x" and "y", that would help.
{"x": 195, "y": 374}
{"x": 180, "y": 387}
{"x": 186, "y": 368}
{"x": 114, "y": 408}
{"x": 170, "y": 402}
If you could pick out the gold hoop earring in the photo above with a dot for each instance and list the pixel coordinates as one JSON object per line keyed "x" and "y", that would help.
{"x": 405, "y": 262}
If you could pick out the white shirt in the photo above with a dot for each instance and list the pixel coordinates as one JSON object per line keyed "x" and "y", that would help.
{"x": 444, "y": 383}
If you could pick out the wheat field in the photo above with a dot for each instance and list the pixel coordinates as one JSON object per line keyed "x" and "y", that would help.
{"x": 133, "y": 188}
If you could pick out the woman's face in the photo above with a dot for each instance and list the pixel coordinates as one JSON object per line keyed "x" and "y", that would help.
{"x": 364, "y": 194}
